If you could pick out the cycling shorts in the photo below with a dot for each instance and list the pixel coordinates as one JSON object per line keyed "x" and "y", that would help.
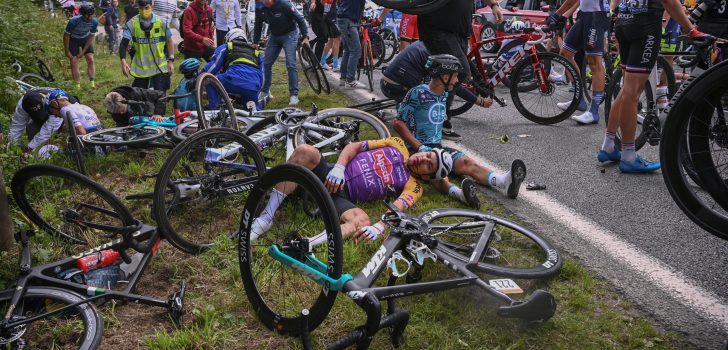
{"x": 394, "y": 91}
{"x": 408, "y": 28}
{"x": 588, "y": 33}
{"x": 75, "y": 46}
{"x": 639, "y": 42}
{"x": 324, "y": 26}
{"x": 342, "y": 203}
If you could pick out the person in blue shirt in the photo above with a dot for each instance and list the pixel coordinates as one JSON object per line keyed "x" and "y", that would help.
{"x": 282, "y": 20}
{"x": 238, "y": 66}
{"x": 78, "y": 42}
{"x": 420, "y": 123}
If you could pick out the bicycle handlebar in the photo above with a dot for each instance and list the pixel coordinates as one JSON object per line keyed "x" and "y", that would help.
{"x": 538, "y": 30}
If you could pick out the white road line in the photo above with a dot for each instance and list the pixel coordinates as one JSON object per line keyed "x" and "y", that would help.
{"x": 664, "y": 278}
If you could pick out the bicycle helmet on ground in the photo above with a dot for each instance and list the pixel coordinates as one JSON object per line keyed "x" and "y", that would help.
{"x": 86, "y": 9}
{"x": 443, "y": 64}
{"x": 444, "y": 163}
{"x": 235, "y": 33}
{"x": 190, "y": 65}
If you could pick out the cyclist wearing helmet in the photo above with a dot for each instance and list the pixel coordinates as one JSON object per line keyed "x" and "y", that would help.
{"x": 363, "y": 172}
{"x": 239, "y": 67}
{"x": 420, "y": 123}
{"x": 83, "y": 118}
{"x": 152, "y": 49}
{"x": 31, "y": 115}
{"x": 78, "y": 41}
{"x": 116, "y": 103}
{"x": 189, "y": 68}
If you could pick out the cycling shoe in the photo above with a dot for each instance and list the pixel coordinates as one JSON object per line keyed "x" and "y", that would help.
{"x": 638, "y": 166}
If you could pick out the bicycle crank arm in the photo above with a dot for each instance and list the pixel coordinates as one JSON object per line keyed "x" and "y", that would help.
{"x": 308, "y": 271}
{"x": 501, "y": 102}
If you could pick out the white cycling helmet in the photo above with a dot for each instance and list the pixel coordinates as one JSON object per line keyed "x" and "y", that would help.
{"x": 235, "y": 33}
{"x": 444, "y": 163}
{"x": 518, "y": 26}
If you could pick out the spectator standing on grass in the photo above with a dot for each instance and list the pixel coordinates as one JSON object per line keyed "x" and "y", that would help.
{"x": 227, "y": 16}
{"x": 78, "y": 41}
{"x": 152, "y": 60}
{"x": 323, "y": 24}
{"x": 348, "y": 16}
{"x": 130, "y": 10}
{"x": 447, "y": 32}
{"x": 167, "y": 11}
{"x": 112, "y": 20}
{"x": 282, "y": 19}
{"x": 198, "y": 30}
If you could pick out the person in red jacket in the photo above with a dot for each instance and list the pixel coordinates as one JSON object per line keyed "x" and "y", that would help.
{"x": 198, "y": 30}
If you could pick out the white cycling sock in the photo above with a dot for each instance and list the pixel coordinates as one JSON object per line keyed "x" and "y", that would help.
{"x": 608, "y": 144}
{"x": 276, "y": 198}
{"x": 456, "y": 192}
{"x": 500, "y": 181}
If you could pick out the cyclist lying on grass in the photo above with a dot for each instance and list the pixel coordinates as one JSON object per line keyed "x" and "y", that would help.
{"x": 116, "y": 103}
{"x": 420, "y": 122}
{"x": 362, "y": 173}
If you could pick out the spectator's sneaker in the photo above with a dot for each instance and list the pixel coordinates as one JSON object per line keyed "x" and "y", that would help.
{"x": 603, "y": 156}
{"x": 293, "y": 101}
{"x": 448, "y": 134}
{"x": 325, "y": 66}
{"x": 518, "y": 174}
{"x": 336, "y": 67}
{"x": 585, "y": 118}
{"x": 639, "y": 166}
{"x": 565, "y": 105}
{"x": 93, "y": 84}
{"x": 470, "y": 191}
{"x": 258, "y": 228}
{"x": 342, "y": 81}
{"x": 354, "y": 85}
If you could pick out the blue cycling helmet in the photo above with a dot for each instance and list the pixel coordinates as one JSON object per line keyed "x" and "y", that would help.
{"x": 190, "y": 65}
{"x": 55, "y": 95}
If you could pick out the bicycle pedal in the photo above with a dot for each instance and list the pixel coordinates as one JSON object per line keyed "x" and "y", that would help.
{"x": 176, "y": 305}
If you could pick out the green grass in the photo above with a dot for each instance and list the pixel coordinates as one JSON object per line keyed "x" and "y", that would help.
{"x": 590, "y": 315}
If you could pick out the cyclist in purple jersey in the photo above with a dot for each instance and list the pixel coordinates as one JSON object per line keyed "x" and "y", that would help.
{"x": 363, "y": 173}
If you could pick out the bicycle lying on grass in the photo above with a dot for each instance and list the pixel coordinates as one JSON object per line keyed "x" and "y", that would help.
{"x": 215, "y": 169}
{"x": 53, "y": 305}
{"x": 293, "y": 271}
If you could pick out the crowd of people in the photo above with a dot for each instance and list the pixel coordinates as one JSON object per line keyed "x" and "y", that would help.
{"x": 423, "y": 79}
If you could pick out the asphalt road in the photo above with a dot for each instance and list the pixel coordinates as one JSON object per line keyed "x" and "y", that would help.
{"x": 625, "y": 228}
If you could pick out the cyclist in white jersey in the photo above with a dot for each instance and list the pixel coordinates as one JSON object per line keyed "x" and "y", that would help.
{"x": 588, "y": 34}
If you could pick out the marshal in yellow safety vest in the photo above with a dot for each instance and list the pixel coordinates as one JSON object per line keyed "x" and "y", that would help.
{"x": 150, "y": 57}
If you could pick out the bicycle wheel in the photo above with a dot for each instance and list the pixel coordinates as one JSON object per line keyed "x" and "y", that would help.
{"x": 44, "y": 71}
{"x": 321, "y": 75}
{"x": 182, "y": 131}
{"x": 277, "y": 292}
{"x": 356, "y": 125}
{"x": 202, "y": 184}
{"x": 391, "y": 44}
{"x": 124, "y": 136}
{"x": 513, "y": 250}
{"x": 214, "y": 107}
{"x": 697, "y": 120}
{"x": 643, "y": 107}
{"x": 33, "y": 79}
{"x": 79, "y": 327}
{"x": 378, "y": 48}
{"x": 307, "y": 59}
{"x": 368, "y": 64}
{"x": 540, "y": 104}
{"x": 68, "y": 205}
{"x": 75, "y": 150}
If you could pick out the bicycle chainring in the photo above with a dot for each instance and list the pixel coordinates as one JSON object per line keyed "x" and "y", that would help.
{"x": 12, "y": 336}
{"x": 651, "y": 128}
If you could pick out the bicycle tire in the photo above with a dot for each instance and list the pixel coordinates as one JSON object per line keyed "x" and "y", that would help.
{"x": 33, "y": 79}
{"x": 225, "y": 115}
{"x": 75, "y": 150}
{"x": 546, "y": 59}
{"x": 378, "y": 48}
{"x": 38, "y": 300}
{"x": 331, "y": 117}
{"x": 322, "y": 79}
{"x": 694, "y": 102}
{"x": 391, "y": 42}
{"x": 368, "y": 64}
{"x": 254, "y": 257}
{"x": 548, "y": 260}
{"x": 124, "y": 136}
{"x": 206, "y": 183}
{"x": 56, "y": 199}
{"x": 44, "y": 71}
{"x": 307, "y": 59}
